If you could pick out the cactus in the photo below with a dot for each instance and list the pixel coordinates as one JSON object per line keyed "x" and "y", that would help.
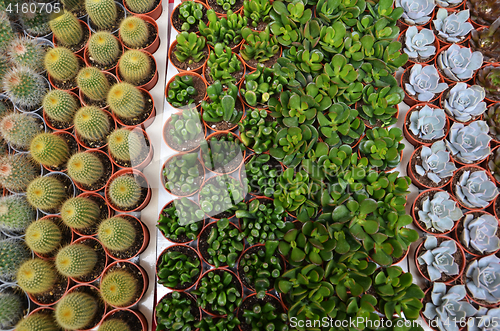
{"x": 43, "y": 236}
{"x": 49, "y": 149}
{"x": 114, "y": 324}
{"x": 46, "y": 193}
{"x": 76, "y": 260}
{"x": 126, "y": 100}
{"x": 103, "y": 13}
{"x": 35, "y": 23}
{"x": 80, "y": 212}
{"x": 17, "y": 171}
{"x": 104, "y": 48}
{"x": 134, "y": 32}
{"x": 85, "y": 168}
{"x": 118, "y": 288}
{"x": 13, "y": 253}
{"x": 25, "y": 87}
{"x": 140, "y": 6}
{"x": 38, "y": 322}
{"x": 6, "y": 32}
{"x": 124, "y": 144}
{"x": 116, "y": 233}
{"x": 11, "y": 309}
{"x": 36, "y": 276}
{"x": 134, "y": 66}
{"x": 60, "y": 106}
{"x": 124, "y": 191}
{"x": 73, "y": 5}
{"x": 24, "y": 51}
{"x": 93, "y": 83}
{"x": 76, "y": 310}
{"x": 67, "y": 29}
{"x": 19, "y": 129}
{"x": 16, "y": 214}
{"x": 4, "y": 65}
{"x": 92, "y": 123}
{"x": 61, "y": 63}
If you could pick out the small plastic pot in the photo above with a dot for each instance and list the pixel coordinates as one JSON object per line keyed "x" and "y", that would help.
{"x": 127, "y": 316}
{"x": 459, "y": 6}
{"x": 414, "y": 177}
{"x": 79, "y": 52}
{"x": 40, "y": 121}
{"x": 142, "y": 164}
{"x": 101, "y": 257}
{"x": 68, "y": 236}
{"x": 442, "y": 100}
{"x": 402, "y": 39}
{"x": 87, "y": 102}
{"x": 177, "y": 9}
{"x": 412, "y": 100}
{"x": 38, "y": 109}
{"x": 101, "y": 306}
{"x": 24, "y": 302}
{"x": 412, "y": 139}
{"x": 143, "y": 245}
{"x": 177, "y": 149}
{"x": 210, "y": 81}
{"x": 156, "y": 42}
{"x": 155, "y": 13}
{"x": 212, "y": 127}
{"x": 87, "y": 189}
{"x": 227, "y": 171}
{"x": 63, "y": 283}
{"x": 433, "y": 324}
{"x": 136, "y": 174}
{"x": 195, "y": 309}
{"x": 148, "y": 121}
{"x": 119, "y": 7}
{"x": 163, "y": 182}
{"x": 188, "y": 241}
{"x": 149, "y": 84}
{"x": 204, "y": 255}
{"x": 57, "y": 127}
{"x": 469, "y": 294}
{"x": 242, "y": 44}
{"x": 459, "y": 230}
{"x": 180, "y": 248}
{"x": 112, "y": 125}
{"x": 456, "y": 177}
{"x": 188, "y": 73}
{"x": 198, "y": 70}
{"x": 91, "y": 63}
{"x": 106, "y": 212}
{"x": 224, "y": 15}
{"x": 74, "y": 89}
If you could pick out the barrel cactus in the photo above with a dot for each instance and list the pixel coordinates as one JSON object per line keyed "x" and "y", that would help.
{"x": 38, "y": 322}
{"x": 103, "y": 13}
{"x": 119, "y": 287}
{"x": 124, "y": 191}
{"x": 428, "y": 123}
{"x": 480, "y": 233}
{"x": 135, "y": 66}
{"x": 459, "y": 63}
{"x": 436, "y": 163}
{"x": 85, "y": 168}
{"x": 114, "y": 324}
{"x": 46, "y": 193}
{"x": 16, "y": 214}
{"x": 13, "y": 253}
{"x": 76, "y": 310}
{"x": 439, "y": 258}
{"x": 36, "y": 276}
{"x": 116, "y": 233}
{"x": 61, "y": 63}
{"x": 25, "y": 87}
{"x": 92, "y": 123}
{"x": 454, "y": 27}
{"x": 35, "y": 23}
{"x": 80, "y": 212}
{"x": 11, "y": 309}
{"x": 76, "y": 260}
{"x": 49, "y": 149}
{"x": 24, "y": 51}
{"x": 93, "y": 83}
{"x": 416, "y": 12}
{"x": 482, "y": 278}
{"x": 134, "y": 32}
{"x": 19, "y": 129}
{"x": 439, "y": 213}
{"x": 140, "y": 6}
{"x": 464, "y": 103}
{"x": 125, "y": 145}
{"x": 424, "y": 83}
{"x": 471, "y": 143}
{"x": 17, "y": 171}
{"x": 475, "y": 190}
{"x": 126, "y": 101}
{"x": 60, "y": 106}
{"x": 419, "y": 44}
{"x": 67, "y": 29}
{"x": 104, "y": 48}
{"x": 43, "y": 236}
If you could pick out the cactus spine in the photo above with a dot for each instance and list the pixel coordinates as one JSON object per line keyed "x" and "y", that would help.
{"x": 25, "y": 87}
{"x": 19, "y": 129}
{"x": 38, "y": 322}
{"x": 114, "y": 324}
{"x": 66, "y": 28}
{"x": 11, "y": 309}
{"x": 85, "y": 168}
{"x": 76, "y": 260}
{"x": 46, "y": 193}
{"x": 6, "y": 32}
{"x": 13, "y": 253}
{"x": 140, "y": 6}
{"x": 76, "y": 310}
{"x": 61, "y": 63}
{"x": 92, "y": 123}
{"x": 35, "y": 23}
{"x": 24, "y": 51}
{"x": 126, "y": 100}
{"x": 124, "y": 191}
{"x": 17, "y": 171}
{"x": 134, "y": 66}
{"x": 104, "y": 48}
{"x": 134, "y": 32}
{"x": 60, "y": 106}
{"x": 124, "y": 144}
{"x": 116, "y": 234}
{"x": 49, "y": 149}
{"x": 103, "y": 13}
{"x": 80, "y": 212}
{"x": 93, "y": 83}
{"x": 43, "y": 236}
{"x": 36, "y": 276}
{"x": 16, "y": 214}
{"x": 118, "y": 288}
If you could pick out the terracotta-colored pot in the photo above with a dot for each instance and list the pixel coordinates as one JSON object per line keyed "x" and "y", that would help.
{"x": 459, "y": 6}
{"x": 476, "y": 81}
{"x": 239, "y": 312}
{"x": 210, "y": 81}
{"x": 155, "y": 13}
{"x": 84, "y": 27}
{"x": 469, "y": 294}
{"x": 145, "y": 240}
{"x": 212, "y": 180}
{"x": 48, "y": 121}
{"x": 221, "y": 15}
{"x": 234, "y": 127}
{"x": 84, "y": 188}
{"x": 220, "y": 133}
{"x": 187, "y": 73}
{"x": 42, "y": 310}
{"x": 177, "y": 9}
{"x": 200, "y": 235}
{"x": 457, "y": 235}
{"x": 234, "y": 49}
{"x": 90, "y": 63}
{"x": 163, "y": 177}
{"x": 69, "y": 136}
{"x": 411, "y": 100}
{"x": 144, "y": 163}
{"x": 458, "y": 173}
{"x": 102, "y": 307}
{"x": 174, "y": 247}
{"x": 414, "y": 177}
{"x": 441, "y": 74}
{"x": 194, "y": 306}
{"x": 64, "y": 241}
{"x": 83, "y": 96}
{"x": 402, "y": 25}
{"x": 156, "y": 42}
{"x": 201, "y": 223}
{"x": 99, "y": 199}
{"x": 96, "y": 246}
{"x": 164, "y": 131}
{"x": 198, "y": 70}
{"x": 136, "y": 173}
{"x": 480, "y": 163}
{"x": 51, "y": 303}
{"x": 415, "y": 141}
{"x": 149, "y": 84}
{"x": 112, "y": 126}
{"x": 75, "y": 88}
{"x": 132, "y": 314}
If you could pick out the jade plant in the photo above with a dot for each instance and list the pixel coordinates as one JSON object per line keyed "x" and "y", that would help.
{"x": 178, "y": 270}
{"x": 226, "y": 30}
{"x": 60, "y": 106}
{"x": 221, "y": 194}
{"x": 182, "y": 174}
{"x": 25, "y": 87}
{"x": 46, "y": 193}
{"x": 36, "y": 276}
{"x": 185, "y": 127}
{"x": 439, "y": 212}
{"x": 135, "y": 67}
{"x": 436, "y": 163}
{"x": 17, "y": 171}
{"x": 119, "y": 287}
{"x": 222, "y": 64}
{"x": 80, "y": 213}
{"x": 438, "y": 258}
{"x": 382, "y": 147}
{"x": 134, "y": 32}
{"x": 13, "y": 253}
{"x": 190, "y": 13}
{"x": 222, "y": 153}
{"x": 125, "y": 192}
{"x": 285, "y": 27}
{"x": 181, "y": 91}
{"x": 261, "y": 85}
{"x": 179, "y": 221}
{"x": 102, "y": 13}
{"x": 257, "y": 11}
{"x": 380, "y": 104}
{"x": 44, "y": 236}
{"x": 76, "y": 260}
{"x": 117, "y": 234}
{"x": 230, "y": 322}
{"x": 176, "y": 311}
{"x": 480, "y": 233}
{"x": 104, "y": 49}
{"x": 223, "y": 104}
{"x": 259, "y": 46}
{"x": 265, "y": 316}
{"x": 76, "y": 310}
{"x": 469, "y": 144}
{"x": 224, "y": 243}
{"x": 66, "y": 28}
{"x": 257, "y": 130}
{"x": 340, "y": 125}
{"x": 190, "y": 48}
{"x": 294, "y": 143}
{"x": 16, "y": 214}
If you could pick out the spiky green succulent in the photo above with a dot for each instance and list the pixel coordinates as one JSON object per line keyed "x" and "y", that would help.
{"x": 11, "y": 309}
{"x": 16, "y": 214}
{"x": 119, "y": 287}
{"x": 135, "y": 66}
{"x": 80, "y": 212}
{"x": 61, "y": 63}
{"x": 49, "y": 149}
{"x": 134, "y": 32}
{"x": 60, "y": 106}
{"x": 25, "y": 87}
{"x": 125, "y": 144}
{"x": 66, "y": 28}
{"x": 76, "y": 260}
{"x": 38, "y": 322}
{"x": 93, "y": 83}
{"x": 140, "y": 6}
{"x": 36, "y": 276}
{"x": 126, "y": 101}
{"x": 103, "y": 13}
{"x": 43, "y": 236}
{"x": 116, "y": 233}
{"x": 46, "y": 193}
{"x": 124, "y": 191}
{"x": 114, "y": 324}
{"x": 13, "y": 252}
{"x": 24, "y": 51}
{"x": 104, "y": 48}
{"x": 17, "y": 171}
{"x": 19, "y": 129}
{"x": 92, "y": 123}
{"x": 6, "y": 32}
{"x": 76, "y": 310}
{"x": 85, "y": 168}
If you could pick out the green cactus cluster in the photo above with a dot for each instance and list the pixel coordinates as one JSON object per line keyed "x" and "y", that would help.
{"x": 116, "y": 233}
{"x": 36, "y": 276}
{"x": 46, "y": 193}
{"x": 124, "y": 191}
{"x": 13, "y": 253}
{"x": 125, "y": 145}
{"x": 43, "y": 236}
{"x": 67, "y": 29}
{"x": 60, "y": 106}
{"x": 24, "y": 51}
{"x": 93, "y": 83}
{"x": 76, "y": 260}
{"x": 114, "y": 324}
{"x": 11, "y": 309}
{"x": 25, "y": 87}
{"x": 49, "y": 149}
{"x": 135, "y": 66}
{"x": 103, "y": 13}
{"x": 92, "y": 123}
{"x": 17, "y": 171}
{"x": 85, "y": 168}
{"x": 104, "y": 48}
{"x": 76, "y": 310}
{"x": 126, "y": 101}
{"x": 6, "y": 32}
{"x": 61, "y": 63}
{"x": 38, "y": 322}
{"x": 80, "y": 212}
{"x": 119, "y": 287}
{"x": 16, "y": 214}
{"x": 134, "y": 32}
{"x": 140, "y": 6}
{"x": 35, "y": 23}
{"x": 18, "y": 129}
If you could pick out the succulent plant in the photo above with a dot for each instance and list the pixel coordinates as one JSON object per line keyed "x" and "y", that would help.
{"x": 380, "y": 104}
{"x": 223, "y": 104}
{"x": 38, "y": 322}
{"x": 440, "y": 212}
{"x": 482, "y": 279}
{"x": 448, "y": 307}
{"x": 43, "y": 236}
{"x": 66, "y": 28}
{"x": 228, "y": 191}
{"x": 18, "y": 129}
{"x": 60, "y": 106}
{"x": 223, "y": 153}
{"x": 224, "y": 242}
{"x": 184, "y": 128}
{"x": 181, "y": 92}
{"x": 12, "y": 309}
{"x": 464, "y": 103}
{"x": 295, "y": 108}
{"x": 258, "y": 46}
{"x": 36, "y": 276}
{"x": 15, "y": 213}
{"x": 103, "y": 13}
{"x": 125, "y": 145}
{"x": 92, "y": 124}
{"x": 6, "y": 32}
{"x": 80, "y": 213}
{"x": 436, "y": 163}
{"x": 124, "y": 191}
{"x": 222, "y": 63}
{"x": 226, "y": 30}
{"x": 480, "y": 233}
{"x": 452, "y": 28}
{"x": 76, "y": 310}
{"x": 179, "y": 221}
{"x": 126, "y": 101}
{"x": 190, "y": 48}
{"x": 190, "y": 13}
{"x": 134, "y": 32}
{"x": 114, "y": 324}
{"x": 459, "y": 63}
{"x": 46, "y": 193}
{"x": 178, "y": 270}
{"x": 428, "y": 123}
{"x": 257, "y": 11}
{"x": 438, "y": 258}
{"x": 76, "y": 260}
{"x": 448, "y": 3}
{"x": 93, "y": 83}
{"x": 61, "y": 64}
{"x": 469, "y": 144}
{"x": 486, "y": 41}
{"x": 294, "y": 143}
{"x": 140, "y": 6}
{"x": 119, "y": 287}
{"x": 176, "y": 302}
{"x": 424, "y": 82}
{"x": 85, "y": 168}
{"x": 13, "y": 253}
{"x": 474, "y": 189}
{"x": 489, "y": 78}
{"x": 419, "y": 43}
{"x": 49, "y": 149}
{"x": 265, "y": 315}
{"x": 286, "y": 28}
{"x": 416, "y": 13}
{"x": 492, "y": 117}
{"x": 257, "y": 130}
{"x": 229, "y": 322}
{"x": 135, "y": 66}
{"x": 17, "y": 171}
{"x": 261, "y": 85}
{"x": 35, "y": 23}
{"x": 25, "y": 87}
{"x": 104, "y": 48}
{"x": 182, "y": 174}
{"x": 382, "y": 147}
{"x": 24, "y": 51}
{"x": 340, "y": 125}
{"x": 483, "y": 11}
{"x": 483, "y": 320}
{"x": 117, "y": 234}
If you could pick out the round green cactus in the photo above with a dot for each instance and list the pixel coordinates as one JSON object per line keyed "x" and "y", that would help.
{"x": 126, "y": 100}
{"x": 134, "y": 32}
{"x": 13, "y": 253}
{"x": 135, "y": 66}
{"x": 140, "y": 6}
{"x": 24, "y": 51}
{"x": 80, "y": 212}
{"x": 76, "y": 260}
{"x": 116, "y": 233}
{"x": 17, "y": 171}
{"x": 104, "y": 48}
{"x": 36, "y": 276}
{"x": 46, "y": 193}
{"x": 49, "y": 149}
{"x": 19, "y": 129}
{"x": 16, "y": 214}
{"x": 93, "y": 83}
{"x": 85, "y": 168}
{"x": 61, "y": 63}
{"x": 6, "y": 32}
{"x": 114, "y": 324}
{"x": 11, "y": 309}
{"x": 25, "y": 87}
{"x": 67, "y": 29}
{"x": 118, "y": 288}
{"x": 124, "y": 191}
{"x": 92, "y": 123}
{"x": 43, "y": 236}
{"x": 38, "y": 322}
{"x": 103, "y": 13}
{"x": 76, "y": 310}
{"x": 124, "y": 144}
{"x": 60, "y": 106}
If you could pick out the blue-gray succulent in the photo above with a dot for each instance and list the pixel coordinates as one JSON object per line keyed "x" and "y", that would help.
{"x": 428, "y": 123}
{"x": 419, "y": 44}
{"x": 463, "y": 103}
{"x": 485, "y": 320}
{"x": 440, "y": 213}
{"x": 416, "y": 12}
{"x": 480, "y": 233}
{"x": 469, "y": 143}
{"x": 459, "y": 63}
{"x": 448, "y": 3}
{"x": 439, "y": 258}
{"x": 454, "y": 27}
{"x": 448, "y": 308}
{"x": 424, "y": 82}
{"x": 475, "y": 189}
{"x": 482, "y": 278}
{"x": 436, "y": 164}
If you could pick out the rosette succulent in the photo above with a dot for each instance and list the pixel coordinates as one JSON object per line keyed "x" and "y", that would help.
{"x": 463, "y": 103}
{"x": 448, "y": 3}
{"x": 475, "y": 189}
{"x": 485, "y": 320}
{"x": 487, "y": 40}
{"x": 482, "y": 278}
{"x": 459, "y": 63}
{"x": 480, "y": 233}
{"x": 440, "y": 212}
{"x": 454, "y": 27}
{"x": 416, "y": 12}
{"x": 439, "y": 258}
{"x": 419, "y": 43}
{"x": 428, "y": 123}
{"x": 489, "y": 78}
{"x": 471, "y": 143}
{"x": 436, "y": 163}
{"x": 424, "y": 82}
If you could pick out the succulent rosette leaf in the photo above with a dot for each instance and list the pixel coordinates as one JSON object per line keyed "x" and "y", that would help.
{"x": 475, "y": 189}
{"x": 481, "y": 233}
{"x": 428, "y": 123}
{"x": 463, "y": 103}
{"x": 471, "y": 143}
{"x": 419, "y": 44}
{"x": 424, "y": 82}
{"x": 416, "y": 12}
{"x": 440, "y": 213}
{"x": 454, "y": 27}
{"x": 485, "y": 320}
{"x": 459, "y": 63}
{"x": 436, "y": 164}
{"x": 448, "y": 3}
{"x": 482, "y": 278}
{"x": 439, "y": 258}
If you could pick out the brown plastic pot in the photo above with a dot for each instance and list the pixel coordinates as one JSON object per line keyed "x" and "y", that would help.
{"x": 144, "y": 163}
{"x": 457, "y": 174}
{"x": 155, "y": 44}
{"x": 148, "y": 85}
{"x": 155, "y": 13}
{"x": 48, "y": 121}
{"x": 93, "y": 196}
{"x": 83, "y": 96}
{"x": 74, "y": 89}
{"x": 415, "y": 215}
{"x": 220, "y": 133}
{"x": 69, "y": 136}
{"x": 189, "y": 248}
{"x": 52, "y": 256}
{"x": 202, "y": 223}
{"x": 235, "y": 126}
{"x": 136, "y": 173}
{"x": 478, "y": 163}
{"x": 132, "y": 314}
{"x": 88, "y": 288}
{"x": 469, "y": 294}
{"x": 145, "y": 241}
{"x": 96, "y": 243}
{"x": 210, "y": 81}
{"x": 457, "y": 235}
{"x": 80, "y": 51}
{"x": 198, "y": 70}
{"x": 41, "y": 304}
{"x": 86, "y": 189}
{"x": 112, "y": 125}
{"x": 187, "y": 73}
{"x": 211, "y": 224}
{"x": 461, "y": 5}
{"x": 413, "y": 100}
{"x": 194, "y": 306}
{"x": 90, "y": 63}
{"x": 139, "y": 269}
{"x": 164, "y": 133}
{"x": 164, "y": 183}
{"x": 415, "y": 141}
{"x": 413, "y": 177}
{"x": 177, "y": 8}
